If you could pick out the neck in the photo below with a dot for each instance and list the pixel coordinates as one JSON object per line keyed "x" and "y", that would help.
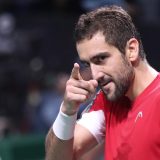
{"x": 144, "y": 75}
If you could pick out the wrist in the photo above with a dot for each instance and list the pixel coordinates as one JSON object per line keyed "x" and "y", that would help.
{"x": 68, "y": 109}
{"x": 64, "y": 125}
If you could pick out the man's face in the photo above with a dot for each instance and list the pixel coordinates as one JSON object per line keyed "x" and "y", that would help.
{"x": 108, "y": 66}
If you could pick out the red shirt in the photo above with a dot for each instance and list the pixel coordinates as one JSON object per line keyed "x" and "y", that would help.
{"x": 132, "y": 130}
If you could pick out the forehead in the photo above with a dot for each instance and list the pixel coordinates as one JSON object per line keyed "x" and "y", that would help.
{"x": 97, "y": 44}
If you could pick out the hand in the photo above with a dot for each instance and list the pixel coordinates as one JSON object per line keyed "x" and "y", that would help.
{"x": 77, "y": 91}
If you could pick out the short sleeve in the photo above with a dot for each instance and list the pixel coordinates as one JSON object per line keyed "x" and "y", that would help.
{"x": 94, "y": 121}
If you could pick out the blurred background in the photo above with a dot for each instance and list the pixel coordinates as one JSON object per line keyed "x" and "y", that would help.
{"x": 37, "y": 52}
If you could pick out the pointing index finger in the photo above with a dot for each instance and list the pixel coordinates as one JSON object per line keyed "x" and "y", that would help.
{"x": 75, "y": 74}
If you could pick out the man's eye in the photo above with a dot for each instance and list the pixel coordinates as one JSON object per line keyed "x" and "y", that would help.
{"x": 101, "y": 58}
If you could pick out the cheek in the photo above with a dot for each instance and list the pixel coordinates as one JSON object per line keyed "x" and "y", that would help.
{"x": 124, "y": 74}
{"x": 117, "y": 67}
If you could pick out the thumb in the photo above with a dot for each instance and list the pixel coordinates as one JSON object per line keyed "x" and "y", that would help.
{"x": 75, "y": 74}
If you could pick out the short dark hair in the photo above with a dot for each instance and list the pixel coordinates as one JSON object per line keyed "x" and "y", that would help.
{"x": 114, "y": 22}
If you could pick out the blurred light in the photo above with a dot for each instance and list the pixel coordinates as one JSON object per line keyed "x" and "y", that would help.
{"x": 36, "y": 64}
{"x": 7, "y": 23}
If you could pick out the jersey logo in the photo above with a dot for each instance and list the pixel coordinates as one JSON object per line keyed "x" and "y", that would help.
{"x": 139, "y": 115}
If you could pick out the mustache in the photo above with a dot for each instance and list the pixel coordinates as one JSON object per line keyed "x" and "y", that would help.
{"x": 104, "y": 81}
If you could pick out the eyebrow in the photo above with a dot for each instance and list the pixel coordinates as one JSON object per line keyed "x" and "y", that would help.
{"x": 97, "y": 55}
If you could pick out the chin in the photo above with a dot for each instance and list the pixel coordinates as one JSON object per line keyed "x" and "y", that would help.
{"x": 109, "y": 96}
{"x": 112, "y": 96}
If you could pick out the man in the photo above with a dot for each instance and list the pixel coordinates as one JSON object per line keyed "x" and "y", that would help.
{"x": 125, "y": 112}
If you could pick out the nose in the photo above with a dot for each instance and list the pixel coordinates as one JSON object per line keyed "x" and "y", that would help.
{"x": 96, "y": 72}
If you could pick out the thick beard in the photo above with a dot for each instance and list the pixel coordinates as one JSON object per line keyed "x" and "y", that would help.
{"x": 122, "y": 83}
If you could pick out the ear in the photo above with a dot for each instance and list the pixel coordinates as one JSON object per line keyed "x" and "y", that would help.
{"x": 132, "y": 50}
